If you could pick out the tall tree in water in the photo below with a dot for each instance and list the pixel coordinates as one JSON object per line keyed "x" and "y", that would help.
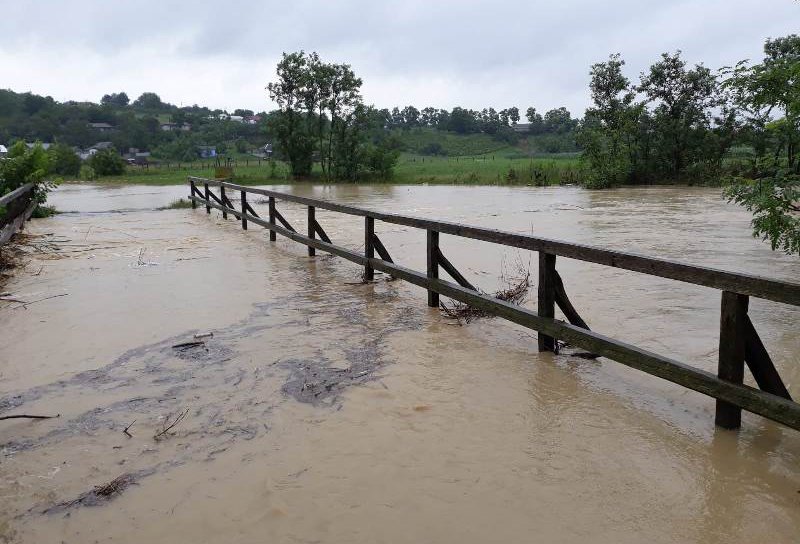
{"x": 683, "y": 98}
{"x": 607, "y": 130}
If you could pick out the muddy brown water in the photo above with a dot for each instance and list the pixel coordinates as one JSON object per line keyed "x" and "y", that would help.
{"x": 325, "y": 411}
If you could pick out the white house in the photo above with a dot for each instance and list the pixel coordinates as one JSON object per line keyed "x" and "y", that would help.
{"x": 3, "y": 150}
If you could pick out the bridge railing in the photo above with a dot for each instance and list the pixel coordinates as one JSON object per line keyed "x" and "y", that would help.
{"x": 15, "y": 208}
{"x": 739, "y": 343}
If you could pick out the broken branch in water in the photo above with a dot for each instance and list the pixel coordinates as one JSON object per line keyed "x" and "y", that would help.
{"x": 186, "y": 345}
{"x": 28, "y": 416}
{"x": 172, "y": 425}
{"x": 23, "y": 304}
{"x": 97, "y": 495}
{"x": 125, "y": 430}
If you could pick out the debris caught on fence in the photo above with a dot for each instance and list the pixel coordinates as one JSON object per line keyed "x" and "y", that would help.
{"x": 517, "y": 282}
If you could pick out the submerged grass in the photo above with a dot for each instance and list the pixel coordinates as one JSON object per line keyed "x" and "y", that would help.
{"x": 180, "y": 204}
{"x": 487, "y": 169}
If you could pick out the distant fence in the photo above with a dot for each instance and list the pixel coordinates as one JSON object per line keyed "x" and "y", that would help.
{"x": 15, "y": 208}
{"x": 739, "y": 341}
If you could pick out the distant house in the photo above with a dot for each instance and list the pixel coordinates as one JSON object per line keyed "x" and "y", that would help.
{"x": 252, "y": 119}
{"x": 3, "y": 151}
{"x": 101, "y": 146}
{"x": 522, "y": 128}
{"x": 31, "y": 145}
{"x": 101, "y": 127}
{"x": 88, "y": 153}
{"x": 267, "y": 150}
{"x": 236, "y": 118}
{"x": 206, "y": 151}
{"x": 168, "y": 127}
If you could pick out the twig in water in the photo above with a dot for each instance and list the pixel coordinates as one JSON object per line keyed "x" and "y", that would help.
{"x": 125, "y": 430}
{"x": 186, "y": 345}
{"x": 28, "y": 416}
{"x": 26, "y": 304}
{"x": 172, "y": 425}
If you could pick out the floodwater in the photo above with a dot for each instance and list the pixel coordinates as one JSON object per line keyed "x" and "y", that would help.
{"x": 324, "y": 410}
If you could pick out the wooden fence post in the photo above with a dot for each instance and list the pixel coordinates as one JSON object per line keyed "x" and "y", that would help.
{"x": 369, "y": 247}
{"x": 732, "y": 344}
{"x": 208, "y": 199}
{"x": 433, "y": 265}
{"x": 311, "y": 230}
{"x": 547, "y": 297}
{"x": 244, "y": 210}
{"x": 222, "y": 198}
{"x": 272, "y": 235}
{"x": 192, "y": 189}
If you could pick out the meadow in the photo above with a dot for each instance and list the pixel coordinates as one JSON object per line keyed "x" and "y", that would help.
{"x": 488, "y": 169}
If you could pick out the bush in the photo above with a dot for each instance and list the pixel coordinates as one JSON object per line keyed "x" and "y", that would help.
{"x": 107, "y": 163}
{"x": 64, "y": 161}
{"x": 87, "y": 173}
{"x": 432, "y": 148}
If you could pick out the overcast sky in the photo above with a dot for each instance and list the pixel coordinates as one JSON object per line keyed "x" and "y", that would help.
{"x": 471, "y": 53}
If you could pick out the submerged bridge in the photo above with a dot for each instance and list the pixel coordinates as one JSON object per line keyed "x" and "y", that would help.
{"x": 739, "y": 343}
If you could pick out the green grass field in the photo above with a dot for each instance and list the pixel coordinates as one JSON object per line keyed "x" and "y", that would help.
{"x": 489, "y": 169}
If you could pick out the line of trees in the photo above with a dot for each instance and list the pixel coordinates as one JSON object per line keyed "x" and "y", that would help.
{"x": 322, "y": 113}
{"x": 681, "y": 123}
{"x": 675, "y": 125}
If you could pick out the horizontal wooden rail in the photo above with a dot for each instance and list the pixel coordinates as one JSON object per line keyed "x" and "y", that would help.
{"x": 744, "y": 284}
{"x": 16, "y": 207}
{"x": 772, "y": 402}
{"x": 16, "y": 193}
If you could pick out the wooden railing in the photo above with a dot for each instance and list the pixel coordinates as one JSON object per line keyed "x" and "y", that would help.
{"x": 15, "y": 208}
{"x": 739, "y": 345}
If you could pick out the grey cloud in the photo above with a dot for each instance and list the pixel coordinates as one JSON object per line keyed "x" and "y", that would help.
{"x": 534, "y": 52}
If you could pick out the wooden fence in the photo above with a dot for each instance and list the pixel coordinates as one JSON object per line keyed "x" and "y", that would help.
{"x": 15, "y": 208}
{"x": 739, "y": 343}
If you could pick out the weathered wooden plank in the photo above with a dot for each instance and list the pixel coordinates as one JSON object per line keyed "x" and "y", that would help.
{"x": 243, "y": 216}
{"x": 546, "y": 297}
{"x": 732, "y": 336}
{"x": 19, "y": 192}
{"x": 272, "y": 236}
{"x": 565, "y": 303}
{"x": 217, "y": 199}
{"x": 250, "y": 210}
{"x": 452, "y": 270}
{"x": 381, "y": 249}
{"x": 11, "y": 227}
{"x": 311, "y": 230}
{"x": 224, "y": 201}
{"x": 761, "y": 366}
{"x": 208, "y": 198}
{"x": 369, "y": 247}
{"x": 321, "y": 232}
{"x": 778, "y": 291}
{"x": 759, "y": 402}
{"x": 192, "y": 191}
{"x": 433, "y": 265}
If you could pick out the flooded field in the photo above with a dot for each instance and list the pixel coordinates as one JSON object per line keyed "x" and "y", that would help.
{"x": 312, "y": 408}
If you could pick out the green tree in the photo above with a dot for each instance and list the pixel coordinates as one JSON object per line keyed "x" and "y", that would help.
{"x": 772, "y": 190}
{"x": 107, "y": 163}
{"x": 682, "y": 99}
{"x": 606, "y": 131}
{"x": 23, "y": 165}
{"x": 116, "y": 99}
{"x": 64, "y": 161}
{"x": 149, "y": 102}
